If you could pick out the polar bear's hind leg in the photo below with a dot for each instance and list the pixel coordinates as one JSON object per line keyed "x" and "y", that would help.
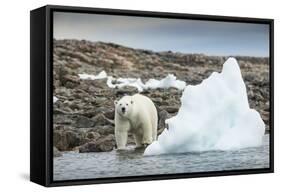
{"x": 154, "y": 128}
{"x": 138, "y": 140}
{"x": 147, "y": 134}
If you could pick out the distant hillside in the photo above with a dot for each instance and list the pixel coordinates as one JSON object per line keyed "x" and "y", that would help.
{"x": 119, "y": 59}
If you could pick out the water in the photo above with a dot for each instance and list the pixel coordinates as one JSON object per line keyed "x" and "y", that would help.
{"x": 73, "y": 165}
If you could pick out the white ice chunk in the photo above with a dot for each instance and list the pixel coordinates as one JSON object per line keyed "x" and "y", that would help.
{"x": 214, "y": 115}
{"x": 101, "y": 75}
{"x": 167, "y": 82}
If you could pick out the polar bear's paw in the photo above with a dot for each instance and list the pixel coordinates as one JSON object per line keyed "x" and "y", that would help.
{"x": 146, "y": 142}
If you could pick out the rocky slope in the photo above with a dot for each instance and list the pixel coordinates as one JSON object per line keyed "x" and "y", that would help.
{"x": 83, "y": 116}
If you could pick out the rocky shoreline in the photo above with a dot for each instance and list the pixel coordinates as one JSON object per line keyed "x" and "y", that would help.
{"x": 83, "y": 115}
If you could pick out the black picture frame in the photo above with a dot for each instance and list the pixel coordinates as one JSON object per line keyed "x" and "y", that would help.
{"x": 41, "y": 94}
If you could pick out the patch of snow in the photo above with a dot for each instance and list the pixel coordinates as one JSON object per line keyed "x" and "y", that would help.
{"x": 167, "y": 82}
{"x": 109, "y": 82}
{"x": 55, "y": 99}
{"x": 132, "y": 82}
{"x": 101, "y": 75}
{"x": 214, "y": 115}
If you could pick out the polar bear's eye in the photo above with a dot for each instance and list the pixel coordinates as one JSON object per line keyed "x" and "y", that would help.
{"x": 120, "y": 104}
{"x": 127, "y": 104}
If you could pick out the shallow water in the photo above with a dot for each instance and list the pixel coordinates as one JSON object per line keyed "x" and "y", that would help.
{"x": 73, "y": 165}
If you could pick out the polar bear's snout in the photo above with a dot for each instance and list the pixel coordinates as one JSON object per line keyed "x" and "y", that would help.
{"x": 123, "y": 109}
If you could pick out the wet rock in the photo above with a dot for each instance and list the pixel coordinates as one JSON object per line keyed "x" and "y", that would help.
{"x": 72, "y": 139}
{"x": 56, "y": 152}
{"x": 65, "y": 140}
{"x": 57, "y": 140}
{"x": 102, "y": 145}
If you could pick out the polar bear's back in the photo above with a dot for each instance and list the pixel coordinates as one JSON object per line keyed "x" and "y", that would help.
{"x": 145, "y": 103}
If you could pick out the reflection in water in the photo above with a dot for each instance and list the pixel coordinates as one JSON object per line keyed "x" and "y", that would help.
{"x": 130, "y": 153}
{"x": 131, "y": 162}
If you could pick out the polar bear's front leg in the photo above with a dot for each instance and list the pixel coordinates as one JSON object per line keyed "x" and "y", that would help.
{"x": 147, "y": 134}
{"x": 121, "y": 139}
{"x": 121, "y": 133}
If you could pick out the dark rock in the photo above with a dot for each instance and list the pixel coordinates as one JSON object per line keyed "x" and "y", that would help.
{"x": 109, "y": 114}
{"x": 90, "y": 113}
{"x": 70, "y": 81}
{"x": 84, "y": 122}
{"x": 98, "y": 84}
{"x": 104, "y": 130}
{"x": 93, "y": 135}
{"x": 73, "y": 65}
{"x": 59, "y": 111}
{"x": 170, "y": 109}
{"x": 162, "y": 116}
{"x": 126, "y": 91}
{"x": 157, "y": 100}
{"x": 62, "y": 119}
{"x": 100, "y": 119}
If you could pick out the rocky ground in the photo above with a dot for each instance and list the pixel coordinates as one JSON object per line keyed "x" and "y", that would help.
{"x": 83, "y": 116}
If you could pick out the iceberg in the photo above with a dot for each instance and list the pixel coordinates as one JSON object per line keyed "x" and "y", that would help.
{"x": 214, "y": 115}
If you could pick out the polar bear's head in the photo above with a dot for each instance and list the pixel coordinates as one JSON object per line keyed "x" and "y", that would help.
{"x": 124, "y": 106}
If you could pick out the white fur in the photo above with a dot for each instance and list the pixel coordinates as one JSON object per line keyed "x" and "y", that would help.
{"x": 139, "y": 117}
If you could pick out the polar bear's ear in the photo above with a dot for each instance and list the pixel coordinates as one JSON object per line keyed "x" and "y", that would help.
{"x": 115, "y": 102}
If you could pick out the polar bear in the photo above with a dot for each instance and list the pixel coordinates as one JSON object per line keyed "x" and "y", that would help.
{"x": 136, "y": 114}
